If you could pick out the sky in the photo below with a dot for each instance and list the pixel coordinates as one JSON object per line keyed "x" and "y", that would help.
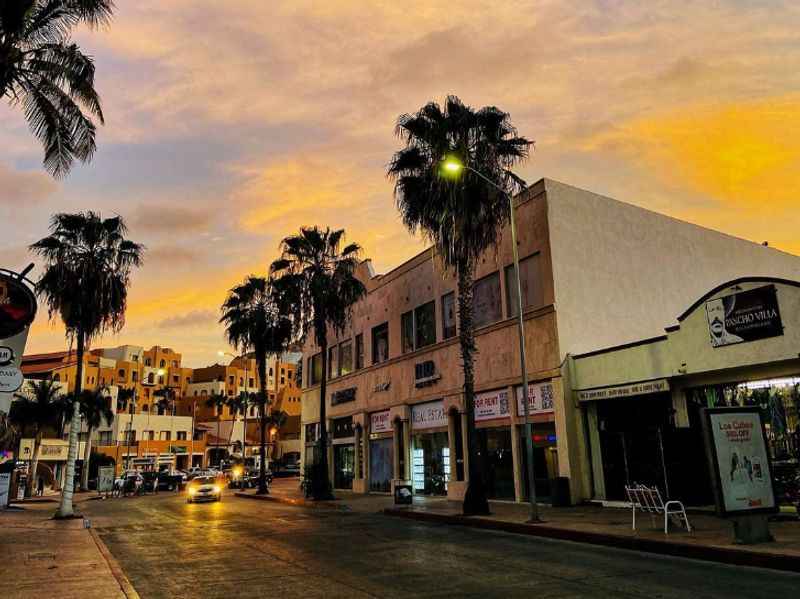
{"x": 230, "y": 125}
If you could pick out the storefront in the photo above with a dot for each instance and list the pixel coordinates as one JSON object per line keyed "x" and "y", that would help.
{"x": 643, "y": 403}
{"x": 543, "y": 436}
{"x": 344, "y": 453}
{"x": 430, "y": 449}
{"x": 381, "y": 452}
{"x": 493, "y": 429}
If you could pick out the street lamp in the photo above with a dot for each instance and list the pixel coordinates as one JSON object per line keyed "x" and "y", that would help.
{"x": 454, "y": 167}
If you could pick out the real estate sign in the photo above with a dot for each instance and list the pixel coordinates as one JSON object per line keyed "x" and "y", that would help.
{"x": 428, "y": 415}
{"x": 737, "y": 448}
{"x": 744, "y": 316}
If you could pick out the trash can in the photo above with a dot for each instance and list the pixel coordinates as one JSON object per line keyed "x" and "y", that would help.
{"x": 559, "y": 492}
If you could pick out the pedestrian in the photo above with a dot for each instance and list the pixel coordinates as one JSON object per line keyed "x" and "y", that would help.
{"x": 40, "y": 486}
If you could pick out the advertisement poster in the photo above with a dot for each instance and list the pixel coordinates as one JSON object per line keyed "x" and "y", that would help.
{"x": 540, "y": 399}
{"x": 740, "y": 460}
{"x": 491, "y": 404}
{"x": 744, "y": 316}
{"x": 5, "y": 484}
{"x": 105, "y": 479}
{"x": 379, "y": 422}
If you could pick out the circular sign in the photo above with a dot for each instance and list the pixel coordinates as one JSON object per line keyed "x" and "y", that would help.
{"x": 6, "y": 355}
{"x": 17, "y": 306}
{"x": 11, "y": 379}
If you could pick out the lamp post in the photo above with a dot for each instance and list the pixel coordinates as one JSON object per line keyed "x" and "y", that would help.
{"x": 130, "y": 431}
{"x": 455, "y": 167}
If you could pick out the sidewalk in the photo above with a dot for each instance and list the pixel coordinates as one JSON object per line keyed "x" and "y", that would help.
{"x": 56, "y": 558}
{"x": 711, "y": 538}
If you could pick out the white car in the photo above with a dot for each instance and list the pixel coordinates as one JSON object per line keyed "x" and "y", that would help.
{"x": 204, "y": 488}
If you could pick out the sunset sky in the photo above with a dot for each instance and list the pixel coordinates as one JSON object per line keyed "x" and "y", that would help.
{"x": 231, "y": 124}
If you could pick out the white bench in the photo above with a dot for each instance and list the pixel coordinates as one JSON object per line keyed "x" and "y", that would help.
{"x": 648, "y": 499}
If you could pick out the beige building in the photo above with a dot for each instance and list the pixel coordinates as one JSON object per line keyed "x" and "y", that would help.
{"x": 595, "y": 272}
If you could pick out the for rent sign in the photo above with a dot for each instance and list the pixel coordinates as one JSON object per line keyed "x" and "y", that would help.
{"x": 491, "y": 404}
{"x": 540, "y": 399}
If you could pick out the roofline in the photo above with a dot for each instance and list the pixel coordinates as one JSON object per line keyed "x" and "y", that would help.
{"x": 622, "y": 346}
{"x": 719, "y": 288}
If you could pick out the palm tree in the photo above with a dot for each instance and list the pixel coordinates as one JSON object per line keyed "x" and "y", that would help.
{"x": 237, "y": 404}
{"x": 95, "y": 407}
{"x": 87, "y": 267}
{"x": 126, "y": 396}
{"x": 42, "y": 70}
{"x": 254, "y": 319}
{"x": 9, "y": 433}
{"x": 35, "y": 411}
{"x": 319, "y": 288}
{"x": 275, "y": 421}
{"x": 217, "y": 401}
{"x": 461, "y": 217}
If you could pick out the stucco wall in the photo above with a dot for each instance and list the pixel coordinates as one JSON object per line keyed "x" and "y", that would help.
{"x": 623, "y": 273}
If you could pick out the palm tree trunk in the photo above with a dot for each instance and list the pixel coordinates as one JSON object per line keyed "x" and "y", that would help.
{"x": 37, "y": 450}
{"x": 87, "y": 454}
{"x": 219, "y": 435}
{"x": 65, "y": 507}
{"x": 475, "y": 502}
{"x": 322, "y": 484}
{"x": 261, "y": 361}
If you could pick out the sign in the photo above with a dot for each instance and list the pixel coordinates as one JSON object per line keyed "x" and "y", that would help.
{"x": 646, "y": 388}
{"x": 52, "y": 450}
{"x": 17, "y": 306}
{"x": 379, "y": 422}
{"x": 6, "y": 355}
{"x": 105, "y": 479}
{"x": 343, "y": 396}
{"x": 491, "y": 404}
{"x": 5, "y": 484}
{"x": 381, "y": 387}
{"x": 428, "y": 415}
{"x": 737, "y": 447}
{"x": 744, "y": 316}
{"x": 540, "y": 399}
{"x": 425, "y": 374}
{"x": 11, "y": 379}
{"x": 403, "y": 495}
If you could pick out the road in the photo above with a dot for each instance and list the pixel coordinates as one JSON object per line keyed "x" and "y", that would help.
{"x": 244, "y": 548}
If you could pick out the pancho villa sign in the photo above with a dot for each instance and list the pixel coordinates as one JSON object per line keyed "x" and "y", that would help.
{"x": 744, "y": 316}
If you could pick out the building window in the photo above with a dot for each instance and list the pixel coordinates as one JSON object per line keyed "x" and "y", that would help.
{"x": 250, "y": 383}
{"x": 419, "y": 327}
{"x": 147, "y": 362}
{"x": 135, "y": 358}
{"x": 241, "y": 381}
{"x": 359, "y": 351}
{"x": 151, "y": 378}
{"x": 449, "y": 315}
{"x": 134, "y": 376}
{"x": 283, "y": 381}
{"x": 531, "y": 281}
{"x": 315, "y": 368}
{"x": 165, "y": 435}
{"x": 174, "y": 363}
{"x": 283, "y": 371}
{"x": 181, "y": 435}
{"x": 176, "y": 379}
{"x": 270, "y": 370}
{"x": 160, "y": 380}
{"x": 380, "y": 343}
{"x": 162, "y": 364}
{"x": 230, "y": 380}
{"x": 407, "y": 328}
{"x": 146, "y": 408}
{"x": 289, "y": 374}
{"x": 487, "y": 301}
{"x": 333, "y": 363}
{"x": 345, "y": 358}
{"x": 121, "y": 373}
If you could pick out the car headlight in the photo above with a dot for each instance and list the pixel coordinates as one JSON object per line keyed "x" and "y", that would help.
{"x": 217, "y": 489}
{"x": 192, "y": 490}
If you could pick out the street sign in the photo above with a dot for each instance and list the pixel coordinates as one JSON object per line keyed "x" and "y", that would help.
{"x": 17, "y": 306}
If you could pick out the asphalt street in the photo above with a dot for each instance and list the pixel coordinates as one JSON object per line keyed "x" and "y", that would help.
{"x": 246, "y": 548}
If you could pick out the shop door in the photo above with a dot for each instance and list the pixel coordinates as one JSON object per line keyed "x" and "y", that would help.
{"x": 495, "y": 447}
{"x": 344, "y": 461}
{"x": 381, "y": 461}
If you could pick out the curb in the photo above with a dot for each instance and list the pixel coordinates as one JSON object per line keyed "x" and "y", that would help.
{"x": 722, "y": 555}
{"x": 116, "y": 570}
{"x": 329, "y": 505}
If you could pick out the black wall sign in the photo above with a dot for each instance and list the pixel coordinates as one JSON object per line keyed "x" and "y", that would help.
{"x": 343, "y": 396}
{"x": 744, "y": 316}
{"x": 343, "y": 427}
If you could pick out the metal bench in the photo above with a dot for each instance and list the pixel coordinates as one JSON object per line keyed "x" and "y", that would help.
{"x": 648, "y": 499}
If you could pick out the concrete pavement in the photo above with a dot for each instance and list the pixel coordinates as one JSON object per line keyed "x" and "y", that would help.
{"x": 243, "y": 548}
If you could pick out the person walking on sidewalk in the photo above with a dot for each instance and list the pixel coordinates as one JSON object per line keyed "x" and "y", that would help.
{"x": 40, "y": 486}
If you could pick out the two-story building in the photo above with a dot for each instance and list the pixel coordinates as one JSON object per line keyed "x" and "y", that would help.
{"x": 595, "y": 273}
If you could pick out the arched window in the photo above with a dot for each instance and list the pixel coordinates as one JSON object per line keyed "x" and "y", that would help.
{"x": 151, "y": 378}
{"x": 162, "y": 364}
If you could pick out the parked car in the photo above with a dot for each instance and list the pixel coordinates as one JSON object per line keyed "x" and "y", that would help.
{"x": 204, "y": 488}
{"x": 170, "y": 481}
